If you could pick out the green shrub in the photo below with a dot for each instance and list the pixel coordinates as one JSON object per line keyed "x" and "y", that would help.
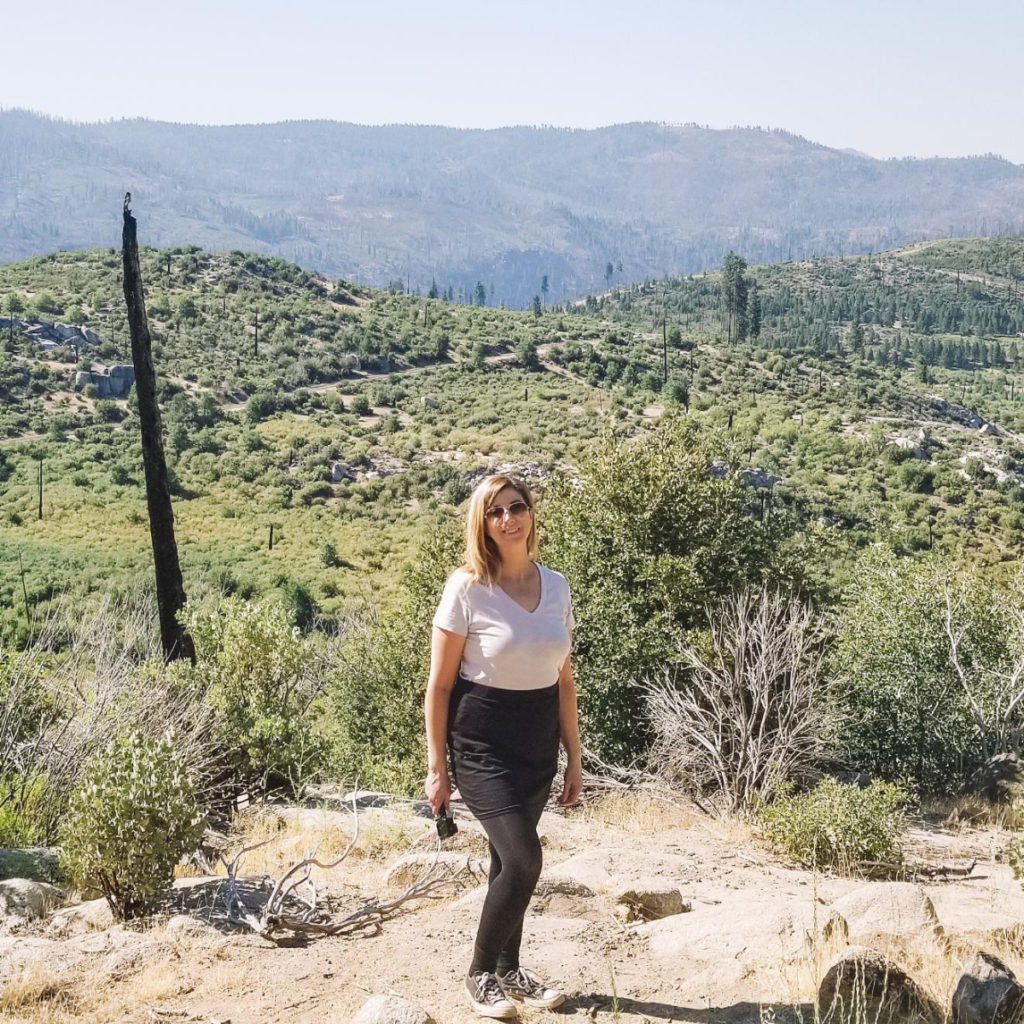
{"x": 837, "y": 826}
{"x": 648, "y": 539}
{"x": 22, "y": 810}
{"x": 378, "y": 683}
{"x": 260, "y": 675}
{"x": 130, "y": 820}
{"x": 904, "y": 710}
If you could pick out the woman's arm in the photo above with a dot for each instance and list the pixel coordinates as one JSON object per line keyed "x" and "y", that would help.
{"x": 445, "y": 656}
{"x": 569, "y": 729}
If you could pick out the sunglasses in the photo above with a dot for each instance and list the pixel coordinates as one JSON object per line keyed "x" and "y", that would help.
{"x": 497, "y": 512}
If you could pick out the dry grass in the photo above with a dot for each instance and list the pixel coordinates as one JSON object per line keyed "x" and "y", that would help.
{"x": 37, "y": 995}
{"x": 383, "y": 835}
{"x": 640, "y": 812}
{"x": 967, "y": 812}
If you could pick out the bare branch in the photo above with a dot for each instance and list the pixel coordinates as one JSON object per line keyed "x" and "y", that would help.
{"x": 278, "y": 915}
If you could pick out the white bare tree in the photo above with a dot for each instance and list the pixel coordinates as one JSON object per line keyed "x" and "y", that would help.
{"x": 742, "y": 715}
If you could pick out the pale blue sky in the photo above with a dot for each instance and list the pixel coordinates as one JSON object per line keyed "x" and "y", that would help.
{"x": 896, "y": 78}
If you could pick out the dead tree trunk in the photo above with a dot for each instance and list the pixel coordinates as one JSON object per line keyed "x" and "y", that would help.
{"x": 170, "y": 590}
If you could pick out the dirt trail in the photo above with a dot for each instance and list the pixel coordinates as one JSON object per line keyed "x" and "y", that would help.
{"x": 751, "y": 936}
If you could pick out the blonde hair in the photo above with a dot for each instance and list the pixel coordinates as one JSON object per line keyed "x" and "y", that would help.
{"x": 482, "y": 556}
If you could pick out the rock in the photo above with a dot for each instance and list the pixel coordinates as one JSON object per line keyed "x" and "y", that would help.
{"x": 603, "y": 870}
{"x": 391, "y": 1009}
{"x": 998, "y": 779}
{"x": 458, "y": 867}
{"x": 987, "y": 993}
{"x": 908, "y": 445}
{"x": 862, "y": 985}
{"x": 973, "y": 918}
{"x": 760, "y": 479}
{"x": 91, "y": 916}
{"x": 339, "y": 472}
{"x": 26, "y": 900}
{"x": 36, "y": 862}
{"x": 739, "y": 928}
{"x": 886, "y": 910}
{"x": 650, "y": 904}
{"x": 562, "y": 887}
{"x": 990, "y": 429}
{"x": 428, "y": 402}
{"x": 131, "y": 957}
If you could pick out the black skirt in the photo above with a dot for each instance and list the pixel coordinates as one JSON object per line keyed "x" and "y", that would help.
{"x": 503, "y": 746}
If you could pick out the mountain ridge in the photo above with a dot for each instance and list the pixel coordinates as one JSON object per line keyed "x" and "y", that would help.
{"x": 505, "y": 207}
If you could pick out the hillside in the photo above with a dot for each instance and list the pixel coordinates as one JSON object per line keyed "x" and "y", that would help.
{"x": 505, "y": 208}
{"x": 356, "y": 420}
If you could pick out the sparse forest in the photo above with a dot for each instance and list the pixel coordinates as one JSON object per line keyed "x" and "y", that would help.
{"x": 789, "y": 500}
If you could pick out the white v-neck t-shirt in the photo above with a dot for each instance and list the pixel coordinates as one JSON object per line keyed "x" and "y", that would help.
{"x": 507, "y": 646}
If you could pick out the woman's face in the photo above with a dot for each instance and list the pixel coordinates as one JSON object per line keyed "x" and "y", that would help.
{"x": 512, "y": 527}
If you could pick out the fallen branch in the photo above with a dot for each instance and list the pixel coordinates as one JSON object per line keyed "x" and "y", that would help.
{"x": 296, "y": 887}
{"x": 944, "y": 870}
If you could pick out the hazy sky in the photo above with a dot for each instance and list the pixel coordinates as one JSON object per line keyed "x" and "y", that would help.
{"x": 888, "y": 77}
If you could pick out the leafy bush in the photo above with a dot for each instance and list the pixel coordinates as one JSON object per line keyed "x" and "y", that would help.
{"x": 262, "y": 677}
{"x": 378, "y": 684}
{"x": 22, "y": 810}
{"x": 648, "y": 538}
{"x": 838, "y": 826}
{"x": 906, "y": 710}
{"x": 130, "y": 820}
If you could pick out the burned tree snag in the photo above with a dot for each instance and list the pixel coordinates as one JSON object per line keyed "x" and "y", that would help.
{"x": 170, "y": 590}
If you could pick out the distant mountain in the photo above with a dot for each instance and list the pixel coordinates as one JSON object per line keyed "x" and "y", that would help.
{"x": 505, "y": 207}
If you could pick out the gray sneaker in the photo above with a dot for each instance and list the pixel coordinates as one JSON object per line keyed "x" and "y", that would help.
{"x": 486, "y": 997}
{"x": 525, "y": 985}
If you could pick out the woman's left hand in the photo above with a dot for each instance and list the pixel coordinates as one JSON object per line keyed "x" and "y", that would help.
{"x": 572, "y": 786}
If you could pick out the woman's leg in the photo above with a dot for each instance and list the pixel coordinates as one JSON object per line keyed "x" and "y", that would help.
{"x": 508, "y": 956}
{"x": 515, "y": 867}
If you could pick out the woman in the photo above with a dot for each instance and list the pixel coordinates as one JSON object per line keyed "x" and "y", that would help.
{"x": 500, "y": 696}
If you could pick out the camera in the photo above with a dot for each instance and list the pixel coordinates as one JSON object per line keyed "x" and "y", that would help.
{"x": 445, "y": 823}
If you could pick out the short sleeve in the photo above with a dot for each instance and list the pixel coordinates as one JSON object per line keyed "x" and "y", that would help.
{"x": 453, "y": 611}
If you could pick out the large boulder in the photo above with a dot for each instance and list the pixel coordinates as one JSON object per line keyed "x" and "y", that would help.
{"x": 880, "y": 911}
{"x": 36, "y": 862}
{"x": 391, "y": 1009}
{"x": 988, "y": 993}
{"x": 25, "y": 900}
{"x": 863, "y": 985}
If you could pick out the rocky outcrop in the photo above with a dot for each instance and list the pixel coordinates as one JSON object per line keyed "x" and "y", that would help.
{"x": 113, "y": 382}
{"x": 456, "y": 867}
{"x": 988, "y": 993}
{"x": 26, "y": 900}
{"x": 863, "y": 985}
{"x": 880, "y": 911}
{"x": 35, "y": 862}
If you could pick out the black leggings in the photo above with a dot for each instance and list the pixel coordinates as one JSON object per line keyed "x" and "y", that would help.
{"x": 504, "y": 747}
{"x": 515, "y": 867}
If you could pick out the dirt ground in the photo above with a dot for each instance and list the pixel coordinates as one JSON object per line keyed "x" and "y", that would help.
{"x": 754, "y": 937}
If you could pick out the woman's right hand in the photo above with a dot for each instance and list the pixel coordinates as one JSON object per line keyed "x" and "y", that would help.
{"x": 438, "y": 788}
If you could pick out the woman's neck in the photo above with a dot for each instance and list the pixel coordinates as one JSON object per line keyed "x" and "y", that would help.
{"x": 517, "y": 566}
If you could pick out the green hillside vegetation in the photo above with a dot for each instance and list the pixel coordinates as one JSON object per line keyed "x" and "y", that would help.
{"x": 845, "y": 432}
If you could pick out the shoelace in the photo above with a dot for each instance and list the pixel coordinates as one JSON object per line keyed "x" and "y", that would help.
{"x": 527, "y": 983}
{"x": 490, "y": 990}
